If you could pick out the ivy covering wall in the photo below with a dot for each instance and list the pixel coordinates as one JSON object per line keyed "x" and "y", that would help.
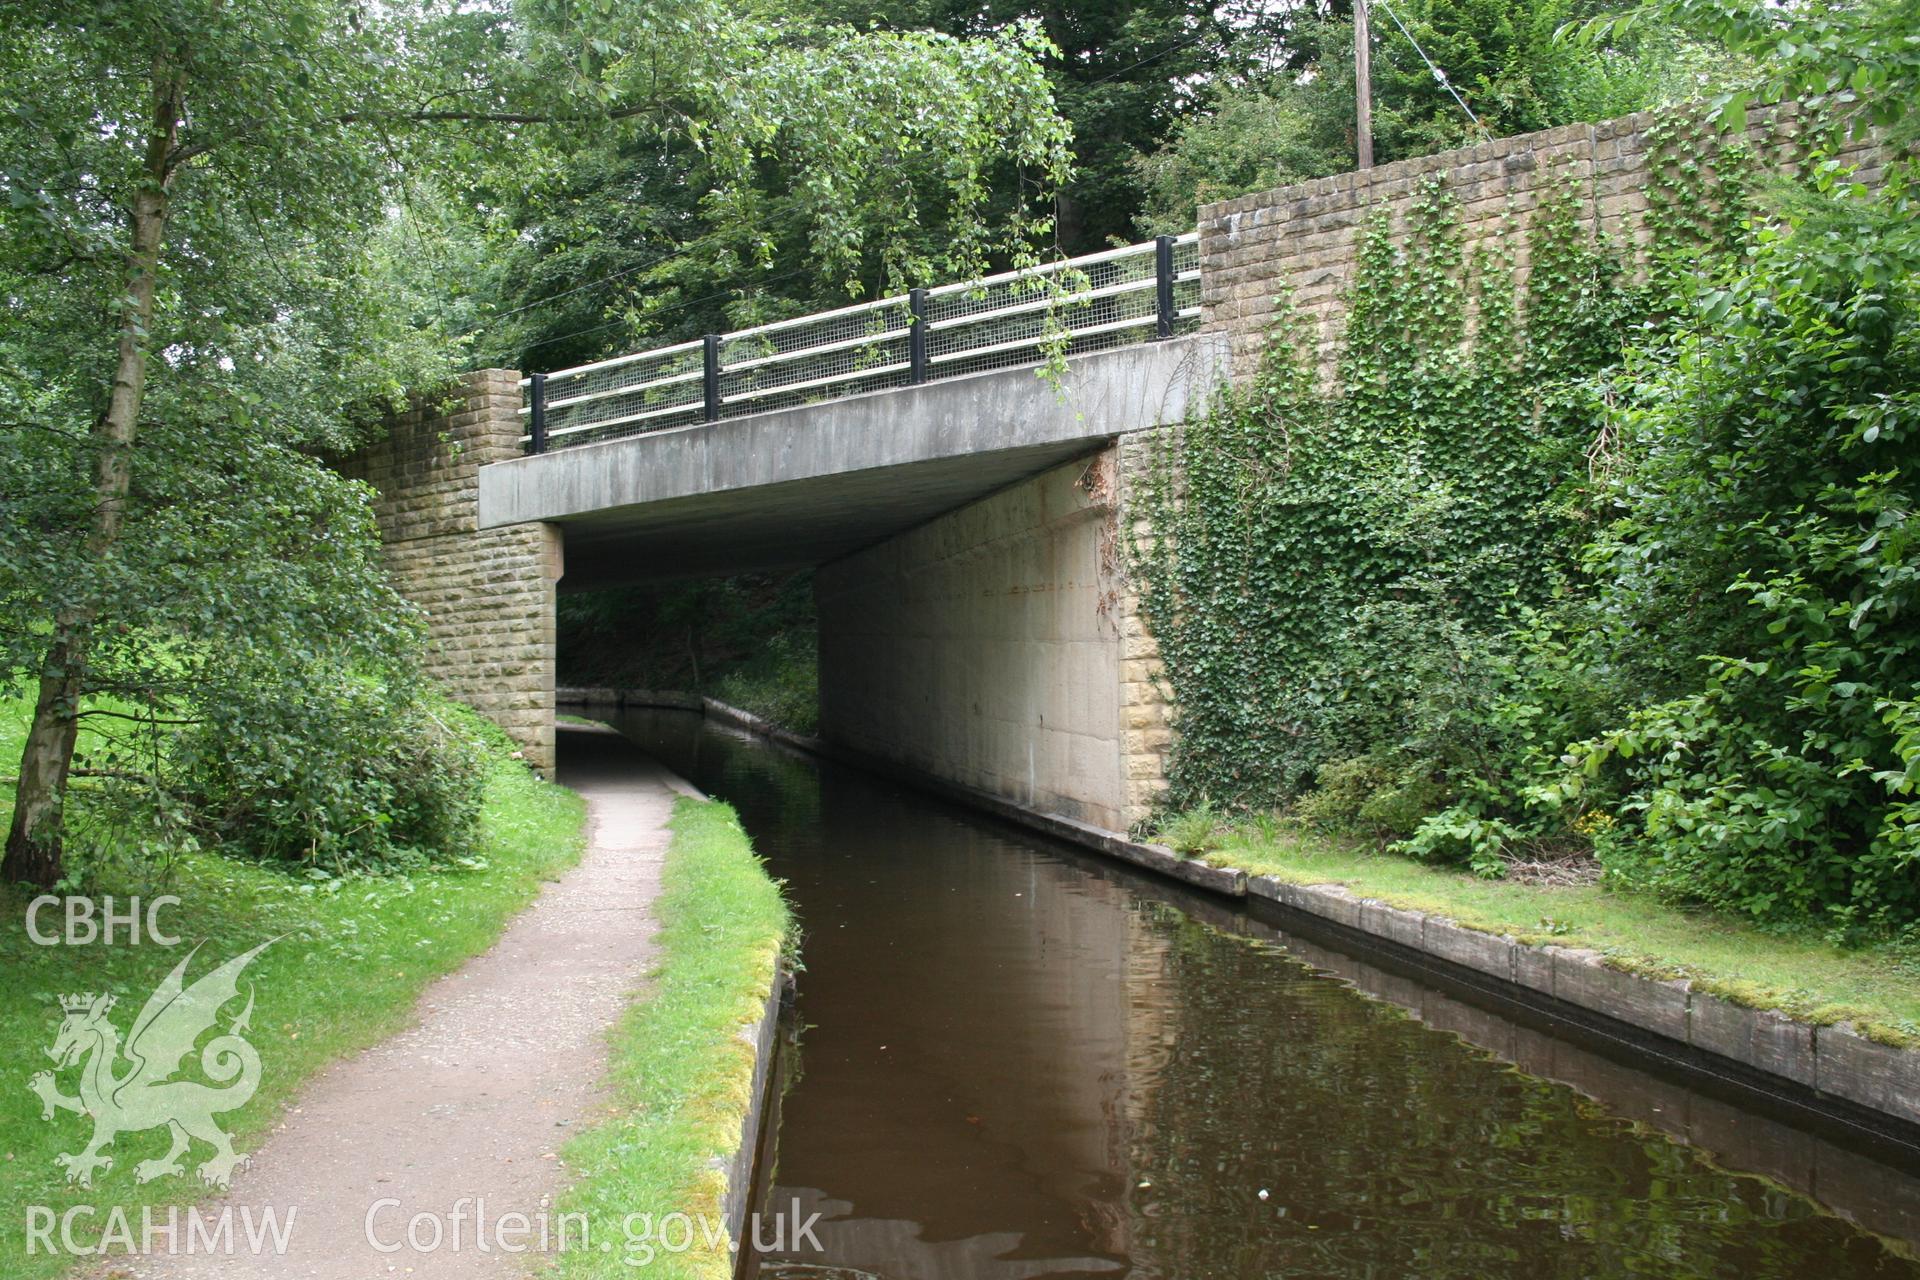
{"x": 1323, "y": 555}
{"x": 1575, "y": 568}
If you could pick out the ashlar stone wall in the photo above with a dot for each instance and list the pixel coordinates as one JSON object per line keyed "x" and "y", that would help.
{"x": 489, "y": 596}
{"x": 1303, "y": 240}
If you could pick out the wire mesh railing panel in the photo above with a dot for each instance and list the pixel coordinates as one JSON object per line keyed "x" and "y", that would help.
{"x": 1186, "y": 283}
{"x": 815, "y": 358}
{"x": 1110, "y": 299}
{"x": 1085, "y": 304}
{"x": 648, "y": 392}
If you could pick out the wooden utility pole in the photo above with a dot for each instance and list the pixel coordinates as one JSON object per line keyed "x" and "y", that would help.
{"x": 1362, "y": 86}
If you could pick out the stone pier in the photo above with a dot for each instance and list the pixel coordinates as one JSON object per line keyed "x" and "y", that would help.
{"x": 488, "y": 594}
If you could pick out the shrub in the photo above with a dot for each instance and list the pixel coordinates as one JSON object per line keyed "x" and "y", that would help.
{"x": 348, "y": 773}
{"x": 1775, "y": 473}
{"x": 1372, "y": 795}
{"x": 1198, "y": 831}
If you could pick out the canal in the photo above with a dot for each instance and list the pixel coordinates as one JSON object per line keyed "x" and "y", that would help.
{"x": 1017, "y": 1061}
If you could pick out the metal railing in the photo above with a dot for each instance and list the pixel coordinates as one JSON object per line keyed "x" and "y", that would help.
{"x": 1109, "y": 299}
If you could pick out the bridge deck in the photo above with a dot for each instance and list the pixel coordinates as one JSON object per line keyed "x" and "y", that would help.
{"x": 805, "y": 485}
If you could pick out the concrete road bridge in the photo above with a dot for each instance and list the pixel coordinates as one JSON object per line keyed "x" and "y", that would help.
{"x": 964, "y": 513}
{"x": 807, "y": 440}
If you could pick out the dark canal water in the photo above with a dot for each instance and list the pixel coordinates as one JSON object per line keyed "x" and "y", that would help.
{"x": 1016, "y": 1061}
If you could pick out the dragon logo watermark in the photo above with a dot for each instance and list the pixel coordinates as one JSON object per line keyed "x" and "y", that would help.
{"x": 145, "y": 1095}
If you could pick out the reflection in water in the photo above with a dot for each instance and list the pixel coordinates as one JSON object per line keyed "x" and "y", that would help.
{"x": 1017, "y": 1063}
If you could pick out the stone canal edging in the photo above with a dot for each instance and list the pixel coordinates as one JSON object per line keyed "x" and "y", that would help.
{"x": 599, "y": 698}
{"x": 1834, "y": 1061}
{"x": 1832, "y": 1068}
{"x": 763, "y": 1035}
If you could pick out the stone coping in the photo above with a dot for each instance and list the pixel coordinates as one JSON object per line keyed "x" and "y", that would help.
{"x": 601, "y": 696}
{"x": 739, "y": 1165}
{"x": 762, "y": 1034}
{"x": 1842, "y": 1074}
{"x": 1834, "y": 1061}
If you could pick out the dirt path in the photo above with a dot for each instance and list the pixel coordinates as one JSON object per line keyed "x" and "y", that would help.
{"x": 472, "y": 1103}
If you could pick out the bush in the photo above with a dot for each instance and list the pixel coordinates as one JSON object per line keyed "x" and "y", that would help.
{"x": 349, "y": 773}
{"x": 1778, "y": 779}
{"x": 1372, "y": 795}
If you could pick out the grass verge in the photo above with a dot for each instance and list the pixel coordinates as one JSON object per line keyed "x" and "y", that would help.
{"x": 354, "y": 956}
{"x": 681, "y": 1071}
{"x": 1877, "y": 988}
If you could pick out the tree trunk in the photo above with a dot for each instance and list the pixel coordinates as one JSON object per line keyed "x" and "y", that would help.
{"x": 34, "y": 845}
{"x": 1067, "y": 222}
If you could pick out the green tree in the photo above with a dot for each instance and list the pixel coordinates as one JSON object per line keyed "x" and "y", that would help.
{"x": 617, "y": 245}
{"x": 178, "y": 329}
{"x": 201, "y": 278}
{"x": 845, "y": 162}
{"x": 1126, "y": 72}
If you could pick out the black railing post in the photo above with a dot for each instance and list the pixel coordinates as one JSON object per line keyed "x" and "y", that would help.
{"x": 917, "y": 337}
{"x": 713, "y": 376}
{"x": 1163, "y": 279}
{"x": 537, "y": 414}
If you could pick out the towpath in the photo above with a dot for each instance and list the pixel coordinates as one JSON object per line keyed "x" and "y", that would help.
{"x": 463, "y": 1114}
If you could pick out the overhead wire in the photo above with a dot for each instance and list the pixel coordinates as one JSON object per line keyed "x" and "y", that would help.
{"x": 1438, "y": 74}
{"x": 1193, "y": 39}
{"x": 607, "y": 279}
{"x": 581, "y": 333}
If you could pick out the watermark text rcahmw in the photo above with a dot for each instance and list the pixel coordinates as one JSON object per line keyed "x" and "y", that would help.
{"x": 86, "y": 1231}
